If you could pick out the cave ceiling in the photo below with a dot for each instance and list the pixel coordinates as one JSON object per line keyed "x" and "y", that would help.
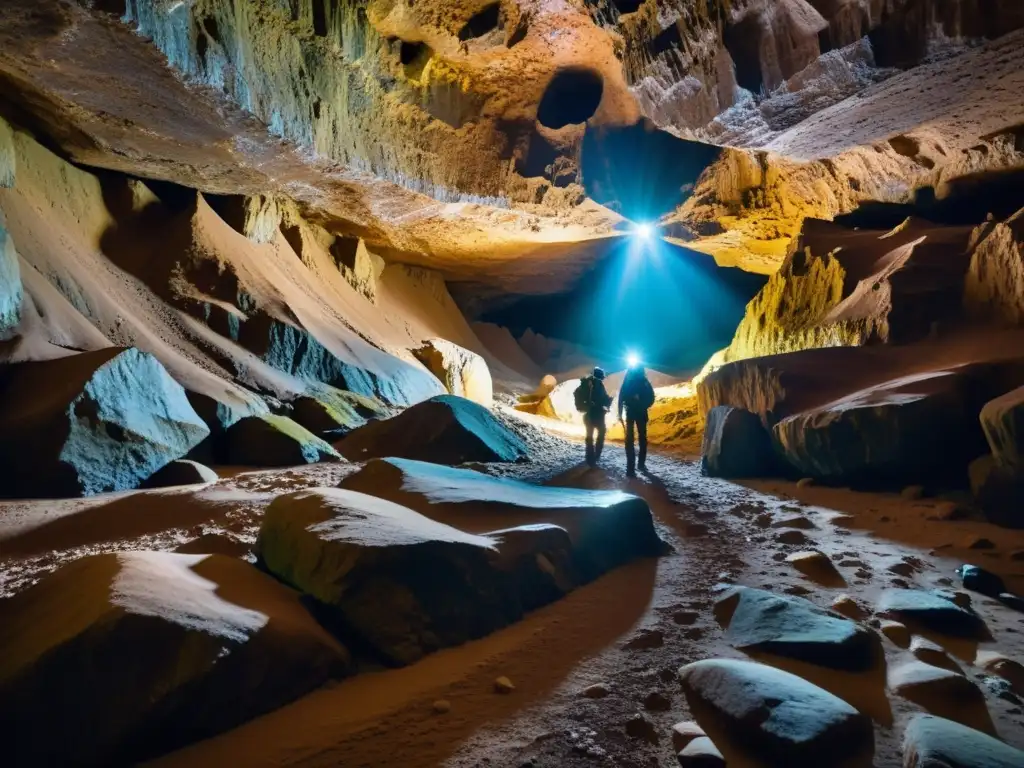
{"x": 506, "y": 143}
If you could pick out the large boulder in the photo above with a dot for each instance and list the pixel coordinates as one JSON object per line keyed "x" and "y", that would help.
{"x": 462, "y": 372}
{"x": 736, "y": 444}
{"x": 934, "y": 742}
{"x": 1002, "y": 420}
{"x": 91, "y": 422}
{"x": 606, "y": 528}
{"x": 772, "y": 715}
{"x": 119, "y": 657}
{"x": 331, "y": 413}
{"x": 399, "y": 583}
{"x": 760, "y": 621}
{"x": 931, "y": 610}
{"x": 274, "y": 441}
{"x": 444, "y": 429}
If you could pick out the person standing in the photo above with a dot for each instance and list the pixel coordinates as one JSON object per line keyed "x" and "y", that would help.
{"x": 593, "y": 401}
{"x": 635, "y": 398}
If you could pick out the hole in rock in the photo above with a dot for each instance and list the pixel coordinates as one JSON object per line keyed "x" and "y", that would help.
{"x": 482, "y": 22}
{"x": 641, "y": 171}
{"x": 905, "y": 145}
{"x": 522, "y": 26}
{"x": 571, "y": 97}
{"x": 743, "y": 41}
{"x": 343, "y": 249}
{"x": 118, "y": 7}
{"x": 320, "y": 18}
{"x": 627, "y": 6}
{"x": 414, "y": 57}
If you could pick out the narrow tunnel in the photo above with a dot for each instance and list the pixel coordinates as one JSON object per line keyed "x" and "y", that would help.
{"x": 572, "y": 96}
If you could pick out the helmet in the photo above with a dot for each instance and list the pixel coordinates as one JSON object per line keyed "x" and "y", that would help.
{"x": 599, "y": 373}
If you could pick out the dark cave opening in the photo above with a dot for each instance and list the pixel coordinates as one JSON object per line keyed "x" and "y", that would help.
{"x": 743, "y": 41}
{"x": 482, "y": 22}
{"x": 320, "y": 18}
{"x": 571, "y": 97}
{"x": 627, "y": 6}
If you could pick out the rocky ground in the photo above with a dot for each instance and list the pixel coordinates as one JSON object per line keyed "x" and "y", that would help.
{"x": 627, "y": 633}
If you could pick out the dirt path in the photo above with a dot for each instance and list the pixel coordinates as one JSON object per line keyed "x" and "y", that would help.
{"x": 630, "y": 631}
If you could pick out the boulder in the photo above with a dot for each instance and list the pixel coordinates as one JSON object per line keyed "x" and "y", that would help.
{"x": 444, "y": 430}
{"x": 331, "y": 413}
{"x": 398, "y": 583}
{"x": 764, "y": 622}
{"x": 940, "y": 691}
{"x": 91, "y": 422}
{"x": 773, "y": 715}
{"x": 150, "y": 651}
{"x": 606, "y": 528}
{"x": 934, "y": 742}
{"x": 931, "y": 611}
{"x": 932, "y": 653}
{"x": 274, "y": 441}
{"x": 736, "y": 445}
{"x": 896, "y": 632}
{"x": 181, "y": 472}
{"x": 463, "y": 373}
{"x": 999, "y": 491}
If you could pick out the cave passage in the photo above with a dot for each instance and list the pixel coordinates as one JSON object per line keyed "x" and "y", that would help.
{"x": 674, "y": 306}
{"x": 483, "y": 21}
{"x": 571, "y": 97}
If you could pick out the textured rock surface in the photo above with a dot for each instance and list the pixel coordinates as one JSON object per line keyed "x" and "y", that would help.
{"x": 1003, "y": 422}
{"x": 462, "y": 372}
{"x": 180, "y": 472}
{"x": 93, "y": 422}
{"x": 760, "y": 621}
{"x": 445, "y": 429}
{"x": 274, "y": 441}
{"x": 735, "y": 445}
{"x": 931, "y": 610}
{"x": 606, "y": 528}
{"x": 401, "y": 583}
{"x": 151, "y": 650}
{"x": 994, "y": 285}
{"x": 772, "y": 714}
{"x": 941, "y": 692}
{"x": 933, "y": 742}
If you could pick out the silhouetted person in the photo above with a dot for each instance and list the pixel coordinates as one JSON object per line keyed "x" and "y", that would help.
{"x": 593, "y": 402}
{"x": 635, "y": 397}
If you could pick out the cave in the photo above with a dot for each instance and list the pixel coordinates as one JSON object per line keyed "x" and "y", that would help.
{"x": 555, "y": 408}
{"x": 482, "y": 22}
{"x": 572, "y": 96}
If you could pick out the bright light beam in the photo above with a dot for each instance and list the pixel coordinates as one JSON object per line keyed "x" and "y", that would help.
{"x": 643, "y": 231}
{"x": 632, "y": 360}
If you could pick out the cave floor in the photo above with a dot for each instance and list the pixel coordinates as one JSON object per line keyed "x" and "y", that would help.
{"x": 384, "y": 718}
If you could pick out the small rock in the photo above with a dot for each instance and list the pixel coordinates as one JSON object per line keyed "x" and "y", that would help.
{"x": 1016, "y": 602}
{"x": 847, "y": 606}
{"x": 998, "y": 664}
{"x": 851, "y": 563}
{"x": 862, "y": 573}
{"x": 912, "y": 492}
{"x": 901, "y": 569}
{"x": 763, "y": 521}
{"x": 981, "y": 581}
{"x": 804, "y": 482}
{"x": 798, "y": 590}
{"x": 896, "y": 632}
{"x": 947, "y": 510}
{"x": 685, "y": 732}
{"x": 932, "y": 653}
{"x": 656, "y": 701}
{"x": 978, "y": 542}
{"x": 778, "y": 557}
{"x": 792, "y": 537}
{"x": 798, "y": 521}
{"x": 701, "y": 753}
{"x": 442, "y": 706}
{"x": 596, "y": 691}
{"x": 685, "y": 617}
{"x": 646, "y": 639}
{"x": 503, "y": 685}
{"x": 884, "y": 519}
{"x": 931, "y": 610}
{"x": 999, "y": 688}
{"x": 639, "y": 727}
{"x": 814, "y": 564}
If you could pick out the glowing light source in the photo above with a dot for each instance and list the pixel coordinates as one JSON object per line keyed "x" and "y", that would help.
{"x": 643, "y": 231}
{"x": 632, "y": 359}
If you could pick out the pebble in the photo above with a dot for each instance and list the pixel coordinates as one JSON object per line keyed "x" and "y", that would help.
{"x": 901, "y": 569}
{"x": 685, "y": 617}
{"x": 798, "y": 521}
{"x": 798, "y": 590}
{"x": 896, "y": 632}
{"x": 442, "y": 706}
{"x": 763, "y": 521}
{"x": 503, "y": 685}
{"x": 596, "y": 691}
{"x": 848, "y": 607}
{"x": 792, "y": 537}
{"x": 932, "y": 653}
{"x": 685, "y": 732}
{"x": 656, "y": 701}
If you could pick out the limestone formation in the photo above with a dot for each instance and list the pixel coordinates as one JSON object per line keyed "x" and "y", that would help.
{"x": 462, "y": 372}
{"x": 152, "y": 650}
{"x": 91, "y": 422}
{"x": 772, "y": 714}
{"x": 445, "y": 429}
{"x": 994, "y": 285}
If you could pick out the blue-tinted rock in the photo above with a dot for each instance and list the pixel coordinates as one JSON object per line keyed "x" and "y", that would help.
{"x": 932, "y": 611}
{"x": 934, "y": 742}
{"x": 795, "y": 628}
{"x": 773, "y": 715}
{"x": 443, "y": 430}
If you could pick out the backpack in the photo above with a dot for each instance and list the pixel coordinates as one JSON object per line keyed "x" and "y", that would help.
{"x": 583, "y": 394}
{"x": 640, "y": 396}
